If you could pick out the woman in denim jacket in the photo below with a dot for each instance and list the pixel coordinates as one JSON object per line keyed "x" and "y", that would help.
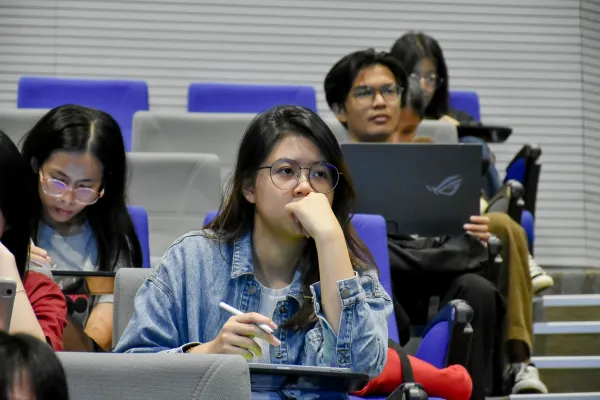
{"x": 283, "y": 251}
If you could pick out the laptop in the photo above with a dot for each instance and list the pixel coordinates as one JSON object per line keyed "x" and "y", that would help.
{"x": 275, "y": 377}
{"x": 421, "y": 189}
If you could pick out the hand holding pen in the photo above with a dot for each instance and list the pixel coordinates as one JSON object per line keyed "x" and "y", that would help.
{"x": 238, "y": 333}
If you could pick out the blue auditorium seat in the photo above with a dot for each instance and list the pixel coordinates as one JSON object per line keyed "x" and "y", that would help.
{"x": 119, "y": 98}
{"x": 466, "y": 101}
{"x": 245, "y": 98}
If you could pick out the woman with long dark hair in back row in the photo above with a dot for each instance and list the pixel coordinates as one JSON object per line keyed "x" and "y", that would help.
{"x": 79, "y": 169}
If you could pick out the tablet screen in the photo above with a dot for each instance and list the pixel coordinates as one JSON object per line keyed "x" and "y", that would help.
{"x": 269, "y": 377}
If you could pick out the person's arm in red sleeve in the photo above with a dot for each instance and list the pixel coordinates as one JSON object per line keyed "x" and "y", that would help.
{"x": 49, "y": 307}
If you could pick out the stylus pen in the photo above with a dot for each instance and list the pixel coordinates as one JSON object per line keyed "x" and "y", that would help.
{"x": 235, "y": 311}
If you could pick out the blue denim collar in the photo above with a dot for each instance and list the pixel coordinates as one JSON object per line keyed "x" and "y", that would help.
{"x": 242, "y": 265}
{"x": 242, "y": 257}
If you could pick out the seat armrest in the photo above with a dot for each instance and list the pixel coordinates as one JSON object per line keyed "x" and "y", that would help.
{"x": 456, "y": 318}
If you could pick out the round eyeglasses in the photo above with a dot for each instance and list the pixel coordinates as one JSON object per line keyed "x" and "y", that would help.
{"x": 429, "y": 79}
{"x": 57, "y": 188}
{"x": 365, "y": 95}
{"x": 285, "y": 175}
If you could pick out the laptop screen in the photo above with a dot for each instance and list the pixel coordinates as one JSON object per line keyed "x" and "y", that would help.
{"x": 423, "y": 189}
{"x": 270, "y": 377}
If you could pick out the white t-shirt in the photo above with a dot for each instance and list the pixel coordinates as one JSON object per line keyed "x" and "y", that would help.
{"x": 268, "y": 302}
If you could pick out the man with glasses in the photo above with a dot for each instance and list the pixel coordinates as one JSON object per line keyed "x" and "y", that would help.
{"x": 365, "y": 90}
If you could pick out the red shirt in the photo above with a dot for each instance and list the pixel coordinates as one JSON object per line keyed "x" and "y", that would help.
{"x": 49, "y": 306}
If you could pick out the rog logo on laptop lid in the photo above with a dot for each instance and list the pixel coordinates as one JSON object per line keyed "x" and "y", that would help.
{"x": 448, "y": 187}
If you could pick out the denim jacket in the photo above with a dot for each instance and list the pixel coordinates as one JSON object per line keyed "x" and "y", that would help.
{"x": 179, "y": 305}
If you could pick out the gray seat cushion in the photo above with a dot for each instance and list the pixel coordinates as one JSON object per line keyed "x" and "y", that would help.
{"x": 177, "y": 190}
{"x": 100, "y": 376}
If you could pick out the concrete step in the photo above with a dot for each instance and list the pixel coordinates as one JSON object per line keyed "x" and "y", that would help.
{"x": 550, "y": 396}
{"x": 584, "y": 307}
{"x": 557, "y": 396}
{"x": 571, "y": 300}
{"x": 574, "y": 280}
{"x": 562, "y": 328}
{"x": 566, "y": 338}
{"x": 568, "y": 362}
{"x": 570, "y": 374}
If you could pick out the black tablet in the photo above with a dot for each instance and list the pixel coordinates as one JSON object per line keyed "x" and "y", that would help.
{"x": 274, "y": 377}
{"x": 85, "y": 282}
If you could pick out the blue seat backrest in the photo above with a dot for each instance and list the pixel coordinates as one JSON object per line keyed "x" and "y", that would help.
{"x": 244, "y": 98}
{"x": 516, "y": 170}
{"x": 466, "y": 101}
{"x": 119, "y": 98}
{"x": 436, "y": 339}
{"x": 528, "y": 224}
{"x": 209, "y": 217}
{"x": 139, "y": 217}
{"x": 373, "y": 232}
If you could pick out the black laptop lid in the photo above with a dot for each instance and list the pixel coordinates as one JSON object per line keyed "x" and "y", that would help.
{"x": 424, "y": 189}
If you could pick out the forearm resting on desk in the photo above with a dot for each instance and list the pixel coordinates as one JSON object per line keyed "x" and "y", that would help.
{"x": 100, "y": 324}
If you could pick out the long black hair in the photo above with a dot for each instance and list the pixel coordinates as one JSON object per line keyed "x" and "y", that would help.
{"x": 236, "y": 214}
{"x": 412, "y": 48}
{"x": 28, "y": 360}
{"x": 15, "y": 202}
{"x": 73, "y": 128}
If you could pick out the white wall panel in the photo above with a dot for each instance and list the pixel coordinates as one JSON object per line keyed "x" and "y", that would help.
{"x": 590, "y": 61}
{"x": 535, "y": 64}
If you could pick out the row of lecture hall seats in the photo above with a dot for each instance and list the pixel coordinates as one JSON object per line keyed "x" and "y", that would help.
{"x": 123, "y": 98}
{"x": 224, "y": 111}
{"x": 188, "y": 155}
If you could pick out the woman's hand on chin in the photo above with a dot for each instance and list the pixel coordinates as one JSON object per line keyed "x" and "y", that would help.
{"x": 313, "y": 217}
